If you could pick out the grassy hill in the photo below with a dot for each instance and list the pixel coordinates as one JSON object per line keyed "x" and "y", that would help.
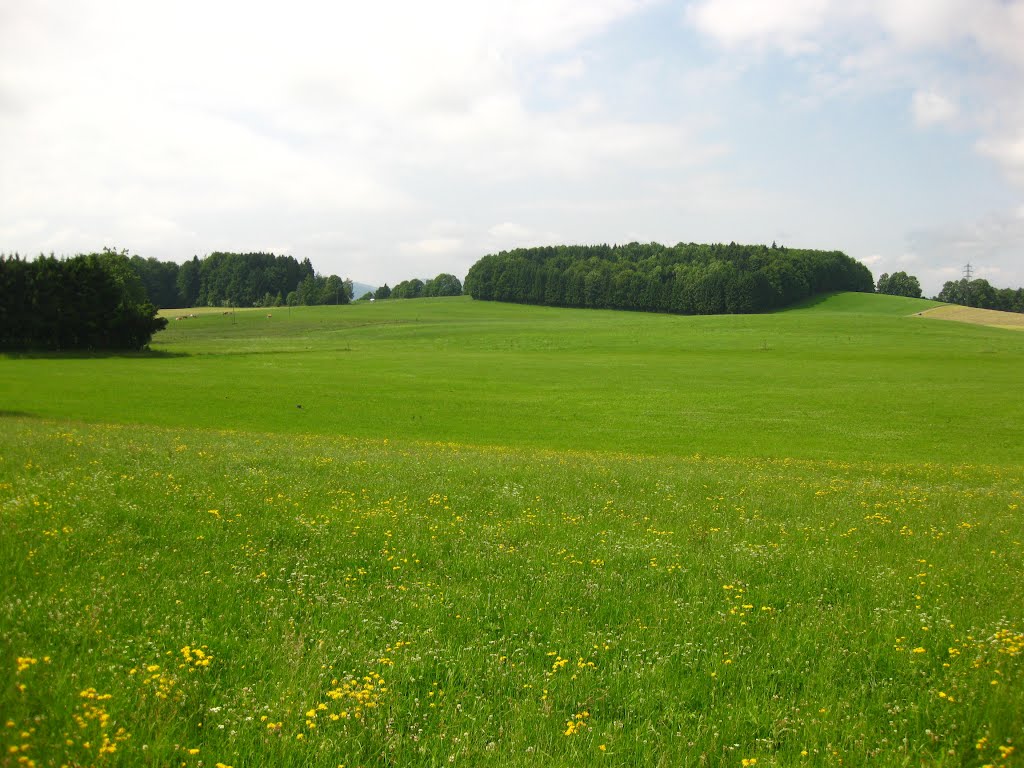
{"x": 497, "y": 535}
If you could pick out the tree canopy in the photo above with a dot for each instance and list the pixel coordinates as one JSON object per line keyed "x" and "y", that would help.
{"x": 238, "y": 280}
{"x": 442, "y": 285}
{"x": 92, "y": 301}
{"x": 686, "y": 279}
{"x": 899, "y": 284}
{"x": 980, "y": 293}
{"x": 408, "y": 289}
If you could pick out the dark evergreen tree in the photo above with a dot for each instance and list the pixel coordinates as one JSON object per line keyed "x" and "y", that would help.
{"x": 188, "y": 282}
{"x": 92, "y": 302}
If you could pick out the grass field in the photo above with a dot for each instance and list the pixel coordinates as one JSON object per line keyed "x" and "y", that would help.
{"x": 854, "y": 377}
{"x": 503, "y": 535}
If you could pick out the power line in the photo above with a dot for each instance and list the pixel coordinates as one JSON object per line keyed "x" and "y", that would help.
{"x": 967, "y": 271}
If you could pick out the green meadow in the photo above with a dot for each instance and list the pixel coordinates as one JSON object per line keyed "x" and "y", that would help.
{"x": 852, "y": 377}
{"x": 445, "y": 532}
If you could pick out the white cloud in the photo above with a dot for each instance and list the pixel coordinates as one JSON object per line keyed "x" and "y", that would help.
{"x": 434, "y": 245}
{"x": 508, "y": 235}
{"x": 572, "y": 69}
{"x": 973, "y": 47}
{"x": 922, "y": 22}
{"x": 1008, "y": 152}
{"x": 509, "y": 230}
{"x": 797, "y": 26}
{"x": 790, "y": 25}
{"x": 930, "y": 108}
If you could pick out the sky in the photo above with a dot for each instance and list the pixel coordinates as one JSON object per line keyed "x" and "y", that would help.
{"x": 394, "y": 139}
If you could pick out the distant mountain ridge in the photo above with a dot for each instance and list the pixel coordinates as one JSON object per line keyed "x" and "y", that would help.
{"x": 360, "y": 289}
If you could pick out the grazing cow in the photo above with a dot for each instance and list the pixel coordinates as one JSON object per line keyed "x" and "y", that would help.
{"x": 269, "y": 315}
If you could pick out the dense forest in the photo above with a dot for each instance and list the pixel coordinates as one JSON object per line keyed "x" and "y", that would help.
{"x": 239, "y": 280}
{"x": 685, "y": 279}
{"x": 93, "y": 301}
{"x": 980, "y": 293}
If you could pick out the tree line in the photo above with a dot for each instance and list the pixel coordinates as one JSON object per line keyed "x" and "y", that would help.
{"x": 239, "y": 280}
{"x": 968, "y": 293}
{"x": 88, "y": 302}
{"x": 109, "y": 300}
{"x": 980, "y": 293}
{"x": 442, "y": 285}
{"x": 687, "y": 278}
